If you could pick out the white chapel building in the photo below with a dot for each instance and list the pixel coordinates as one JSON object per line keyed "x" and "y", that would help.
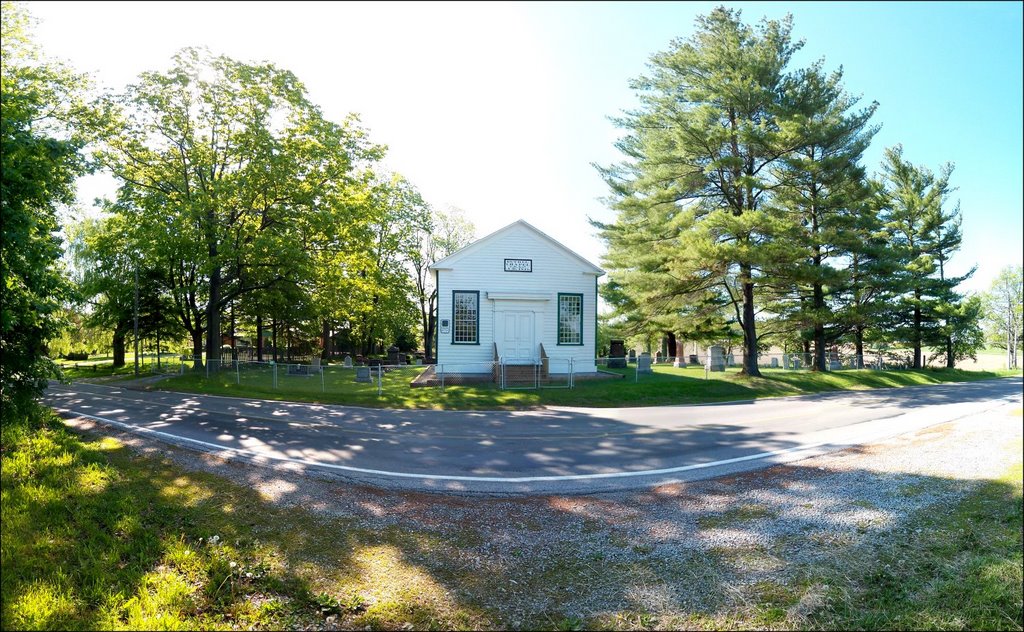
{"x": 518, "y": 294}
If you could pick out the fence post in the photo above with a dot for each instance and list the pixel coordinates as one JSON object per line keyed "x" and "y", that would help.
{"x": 441, "y": 366}
{"x": 274, "y": 364}
{"x": 323, "y": 388}
{"x": 238, "y": 374}
{"x": 380, "y": 379}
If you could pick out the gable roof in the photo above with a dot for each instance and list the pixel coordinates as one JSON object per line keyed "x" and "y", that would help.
{"x": 479, "y": 243}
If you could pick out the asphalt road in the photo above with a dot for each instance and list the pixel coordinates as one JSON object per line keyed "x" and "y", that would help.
{"x": 557, "y": 450}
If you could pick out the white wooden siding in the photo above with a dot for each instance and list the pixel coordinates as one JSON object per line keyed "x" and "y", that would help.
{"x": 554, "y": 271}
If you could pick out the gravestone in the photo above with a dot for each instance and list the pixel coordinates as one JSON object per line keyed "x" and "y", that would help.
{"x": 785, "y": 361}
{"x": 833, "y": 362}
{"x": 796, "y": 363}
{"x": 775, "y": 363}
{"x": 632, "y": 356}
{"x": 617, "y": 355}
{"x": 643, "y": 363}
{"x": 658, "y": 358}
{"x": 693, "y": 359}
{"x": 393, "y": 355}
{"x": 716, "y": 358}
{"x": 347, "y": 363}
{"x": 363, "y": 374}
{"x": 730, "y": 360}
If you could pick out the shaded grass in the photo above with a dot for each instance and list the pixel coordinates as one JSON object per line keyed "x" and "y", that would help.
{"x": 667, "y": 385}
{"x": 95, "y": 537}
{"x": 98, "y": 537}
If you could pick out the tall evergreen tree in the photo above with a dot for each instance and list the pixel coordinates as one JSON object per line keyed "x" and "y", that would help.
{"x": 691, "y": 195}
{"x": 822, "y": 190}
{"x": 923, "y": 235}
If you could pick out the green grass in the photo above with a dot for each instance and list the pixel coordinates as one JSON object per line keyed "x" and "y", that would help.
{"x": 98, "y": 537}
{"x": 956, "y": 568}
{"x": 667, "y": 385}
{"x": 103, "y": 366}
{"x": 95, "y": 537}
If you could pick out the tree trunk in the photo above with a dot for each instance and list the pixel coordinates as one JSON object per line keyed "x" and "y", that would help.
{"x": 950, "y": 360}
{"x": 213, "y": 314}
{"x": 197, "y": 348}
{"x": 917, "y": 329}
{"x": 428, "y": 341}
{"x": 273, "y": 333}
{"x": 259, "y": 335}
{"x": 817, "y": 305}
{"x": 326, "y": 341}
{"x": 748, "y": 324}
{"x": 858, "y": 341}
{"x": 118, "y": 344}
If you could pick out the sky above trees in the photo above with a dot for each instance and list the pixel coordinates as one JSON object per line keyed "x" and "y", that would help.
{"x": 500, "y": 109}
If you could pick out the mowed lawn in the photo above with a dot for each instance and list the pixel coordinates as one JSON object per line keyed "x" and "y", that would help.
{"x": 667, "y": 385}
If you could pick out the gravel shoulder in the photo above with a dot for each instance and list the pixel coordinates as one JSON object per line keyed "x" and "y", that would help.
{"x": 681, "y": 555}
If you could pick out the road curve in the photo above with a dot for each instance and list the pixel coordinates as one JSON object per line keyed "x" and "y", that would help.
{"x": 555, "y": 450}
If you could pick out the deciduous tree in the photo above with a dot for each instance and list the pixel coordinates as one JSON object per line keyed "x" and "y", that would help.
{"x": 44, "y": 125}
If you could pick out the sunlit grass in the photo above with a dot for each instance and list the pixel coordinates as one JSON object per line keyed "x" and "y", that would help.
{"x": 665, "y": 386}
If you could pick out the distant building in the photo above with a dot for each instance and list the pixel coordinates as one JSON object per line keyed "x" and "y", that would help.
{"x": 519, "y": 295}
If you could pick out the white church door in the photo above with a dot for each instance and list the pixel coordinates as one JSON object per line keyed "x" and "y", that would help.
{"x": 516, "y": 339}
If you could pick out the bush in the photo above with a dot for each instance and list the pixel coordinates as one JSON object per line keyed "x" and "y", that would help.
{"x": 77, "y": 356}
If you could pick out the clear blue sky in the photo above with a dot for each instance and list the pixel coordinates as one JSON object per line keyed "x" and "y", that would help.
{"x": 501, "y": 108}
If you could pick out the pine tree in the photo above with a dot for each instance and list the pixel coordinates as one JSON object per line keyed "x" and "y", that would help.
{"x": 822, "y": 192}
{"x": 691, "y": 197}
{"x": 923, "y": 236}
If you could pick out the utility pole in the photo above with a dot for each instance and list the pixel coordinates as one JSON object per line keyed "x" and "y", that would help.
{"x": 136, "y": 321}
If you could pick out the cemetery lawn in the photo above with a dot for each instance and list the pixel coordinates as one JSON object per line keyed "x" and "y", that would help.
{"x": 666, "y": 386}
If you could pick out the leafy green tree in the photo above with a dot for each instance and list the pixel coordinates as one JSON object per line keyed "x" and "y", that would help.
{"x": 691, "y": 196}
{"x": 823, "y": 192}
{"x": 102, "y": 251}
{"x": 447, "y": 232}
{"x": 44, "y": 126}
{"x": 923, "y": 236}
{"x": 1004, "y": 312}
{"x": 220, "y": 164}
{"x": 398, "y": 215}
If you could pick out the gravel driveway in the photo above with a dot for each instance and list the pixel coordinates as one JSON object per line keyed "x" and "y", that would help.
{"x": 682, "y": 548}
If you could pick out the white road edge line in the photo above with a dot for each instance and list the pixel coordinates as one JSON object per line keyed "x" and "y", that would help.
{"x": 447, "y": 477}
